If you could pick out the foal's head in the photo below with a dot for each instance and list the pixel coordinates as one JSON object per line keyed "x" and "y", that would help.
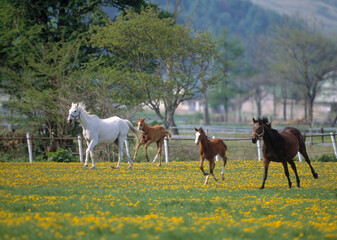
{"x": 199, "y": 135}
{"x": 259, "y": 128}
{"x": 141, "y": 124}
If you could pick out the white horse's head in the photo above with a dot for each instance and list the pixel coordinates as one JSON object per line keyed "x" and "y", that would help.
{"x": 74, "y": 112}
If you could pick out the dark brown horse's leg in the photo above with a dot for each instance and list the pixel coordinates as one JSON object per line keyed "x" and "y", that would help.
{"x": 303, "y": 151}
{"x": 286, "y": 171}
{"x": 293, "y": 166}
{"x": 266, "y": 165}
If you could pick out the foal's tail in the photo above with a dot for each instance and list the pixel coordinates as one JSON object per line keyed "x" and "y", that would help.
{"x": 169, "y": 134}
{"x": 134, "y": 130}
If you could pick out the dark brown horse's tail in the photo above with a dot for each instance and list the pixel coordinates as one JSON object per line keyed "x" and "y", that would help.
{"x": 302, "y": 149}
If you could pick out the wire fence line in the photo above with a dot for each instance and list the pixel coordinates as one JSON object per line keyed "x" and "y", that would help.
{"x": 182, "y": 147}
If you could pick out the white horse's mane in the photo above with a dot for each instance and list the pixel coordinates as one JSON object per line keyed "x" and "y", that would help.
{"x": 82, "y": 106}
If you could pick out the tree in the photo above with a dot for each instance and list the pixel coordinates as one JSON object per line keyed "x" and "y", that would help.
{"x": 305, "y": 55}
{"x": 42, "y": 44}
{"x": 228, "y": 66}
{"x": 258, "y": 76}
{"x": 166, "y": 62}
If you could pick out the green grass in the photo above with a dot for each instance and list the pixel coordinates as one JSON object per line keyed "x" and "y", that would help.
{"x": 67, "y": 201}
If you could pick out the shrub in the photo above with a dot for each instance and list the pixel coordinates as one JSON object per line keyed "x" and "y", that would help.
{"x": 61, "y": 155}
{"x": 326, "y": 158}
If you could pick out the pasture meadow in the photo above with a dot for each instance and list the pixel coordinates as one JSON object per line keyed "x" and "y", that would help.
{"x": 67, "y": 201}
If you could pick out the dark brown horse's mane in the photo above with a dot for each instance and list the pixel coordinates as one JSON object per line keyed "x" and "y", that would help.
{"x": 265, "y": 121}
{"x": 276, "y": 138}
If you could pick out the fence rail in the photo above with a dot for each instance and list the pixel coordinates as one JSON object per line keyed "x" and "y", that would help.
{"x": 30, "y": 141}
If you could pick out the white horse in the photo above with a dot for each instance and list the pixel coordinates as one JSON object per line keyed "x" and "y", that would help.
{"x": 96, "y": 130}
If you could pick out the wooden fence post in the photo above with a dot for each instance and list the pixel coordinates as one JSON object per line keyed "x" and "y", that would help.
{"x": 30, "y": 149}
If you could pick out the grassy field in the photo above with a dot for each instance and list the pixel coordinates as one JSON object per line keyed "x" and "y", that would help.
{"x": 67, "y": 201}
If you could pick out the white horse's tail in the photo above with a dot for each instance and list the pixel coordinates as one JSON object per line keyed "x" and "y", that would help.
{"x": 134, "y": 130}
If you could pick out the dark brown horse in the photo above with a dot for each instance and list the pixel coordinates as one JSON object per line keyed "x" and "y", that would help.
{"x": 208, "y": 150}
{"x": 280, "y": 146}
{"x": 155, "y": 134}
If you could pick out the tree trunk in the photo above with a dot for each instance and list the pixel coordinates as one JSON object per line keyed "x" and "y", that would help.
{"x": 285, "y": 109}
{"x": 275, "y": 100}
{"x": 170, "y": 121}
{"x": 311, "y": 110}
{"x": 207, "y": 121}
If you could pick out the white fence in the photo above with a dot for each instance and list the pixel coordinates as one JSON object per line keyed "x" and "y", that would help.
{"x": 191, "y": 137}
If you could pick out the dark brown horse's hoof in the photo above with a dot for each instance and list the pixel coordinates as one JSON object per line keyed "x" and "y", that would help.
{"x": 261, "y": 188}
{"x": 315, "y": 175}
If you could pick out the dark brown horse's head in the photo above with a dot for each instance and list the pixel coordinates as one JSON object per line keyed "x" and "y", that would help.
{"x": 259, "y": 128}
{"x": 199, "y": 135}
{"x": 141, "y": 124}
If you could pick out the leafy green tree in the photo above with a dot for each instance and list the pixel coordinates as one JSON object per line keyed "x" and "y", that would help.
{"x": 43, "y": 43}
{"x": 166, "y": 62}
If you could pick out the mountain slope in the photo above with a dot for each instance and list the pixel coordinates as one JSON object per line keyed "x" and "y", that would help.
{"x": 325, "y": 11}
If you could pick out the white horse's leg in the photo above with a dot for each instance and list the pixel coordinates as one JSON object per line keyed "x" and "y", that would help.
{"x": 87, "y": 155}
{"x": 128, "y": 153}
{"x": 90, "y": 149}
{"x": 120, "y": 152}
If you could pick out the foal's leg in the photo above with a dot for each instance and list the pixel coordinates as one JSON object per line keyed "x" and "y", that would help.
{"x": 286, "y": 171}
{"x": 211, "y": 168}
{"x": 201, "y": 166}
{"x": 224, "y": 158}
{"x": 159, "y": 148}
{"x": 293, "y": 166}
{"x": 146, "y": 145}
{"x": 157, "y": 155}
{"x": 138, "y": 145}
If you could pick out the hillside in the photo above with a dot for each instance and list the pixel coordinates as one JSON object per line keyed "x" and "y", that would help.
{"x": 250, "y": 17}
{"x": 325, "y": 11}
{"x": 239, "y": 17}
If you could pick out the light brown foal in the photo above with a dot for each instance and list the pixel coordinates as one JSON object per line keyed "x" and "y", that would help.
{"x": 155, "y": 134}
{"x": 208, "y": 150}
